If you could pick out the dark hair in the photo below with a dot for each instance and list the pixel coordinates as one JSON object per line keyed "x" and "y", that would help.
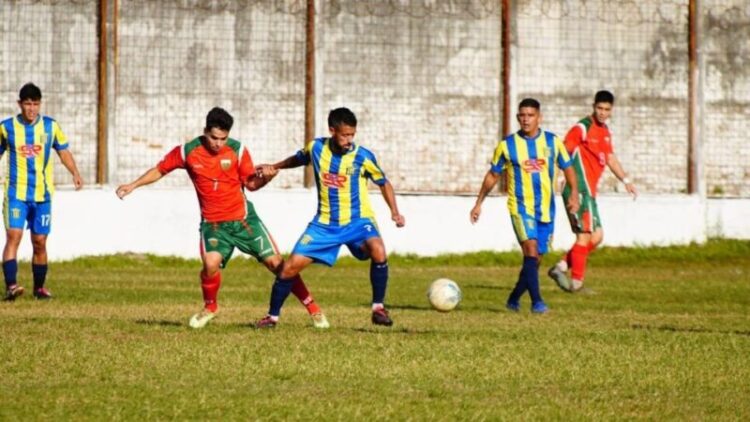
{"x": 30, "y": 92}
{"x": 604, "y": 97}
{"x": 219, "y": 118}
{"x": 341, "y": 115}
{"x": 529, "y": 102}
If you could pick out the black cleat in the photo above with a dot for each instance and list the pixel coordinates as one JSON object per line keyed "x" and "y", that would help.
{"x": 380, "y": 317}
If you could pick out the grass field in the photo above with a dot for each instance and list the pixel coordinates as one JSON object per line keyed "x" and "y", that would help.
{"x": 665, "y": 337}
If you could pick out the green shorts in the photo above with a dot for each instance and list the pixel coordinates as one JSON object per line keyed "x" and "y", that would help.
{"x": 249, "y": 236}
{"x": 586, "y": 220}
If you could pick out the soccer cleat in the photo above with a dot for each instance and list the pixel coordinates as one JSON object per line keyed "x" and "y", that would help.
{"x": 576, "y": 285}
{"x": 539, "y": 308}
{"x": 319, "y": 320}
{"x": 560, "y": 278}
{"x": 12, "y": 292}
{"x": 380, "y": 317}
{"x": 266, "y": 322}
{"x": 42, "y": 294}
{"x": 513, "y": 306}
{"x": 200, "y": 319}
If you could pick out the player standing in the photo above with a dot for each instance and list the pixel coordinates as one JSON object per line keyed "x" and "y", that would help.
{"x": 529, "y": 156}
{"x": 220, "y": 168}
{"x": 344, "y": 215}
{"x": 29, "y": 139}
{"x": 589, "y": 144}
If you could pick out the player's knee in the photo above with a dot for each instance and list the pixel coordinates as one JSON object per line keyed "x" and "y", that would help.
{"x": 274, "y": 264}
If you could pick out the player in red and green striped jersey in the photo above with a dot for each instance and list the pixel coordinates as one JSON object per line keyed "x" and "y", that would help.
{"x": 221, "y": 169}
{"x": 589, "y": 143}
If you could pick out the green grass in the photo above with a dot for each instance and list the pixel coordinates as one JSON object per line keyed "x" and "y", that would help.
{"x": 667, "y": 337}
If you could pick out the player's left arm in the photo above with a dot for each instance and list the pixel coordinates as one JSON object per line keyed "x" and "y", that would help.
{"x": 261, "y": 177}
{"x": 390, "y": 198}
{"x": 66, "y": 157}
{"x": 614, "y": 164}
{"x": 60, "y": 144}
{"x": 566, "y": 164}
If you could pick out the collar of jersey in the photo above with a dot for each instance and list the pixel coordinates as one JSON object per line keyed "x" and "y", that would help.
{"x": 20, "y": 119}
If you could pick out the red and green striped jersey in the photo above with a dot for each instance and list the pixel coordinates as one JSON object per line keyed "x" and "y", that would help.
{"x": 219, "y": 178}
{"x": 589, "y": 144}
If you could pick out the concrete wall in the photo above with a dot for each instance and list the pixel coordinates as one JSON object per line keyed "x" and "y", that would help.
{"x": 164, "y": 221}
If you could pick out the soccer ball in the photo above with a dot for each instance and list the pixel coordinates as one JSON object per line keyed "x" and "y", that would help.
{"x": 444, "y": 294}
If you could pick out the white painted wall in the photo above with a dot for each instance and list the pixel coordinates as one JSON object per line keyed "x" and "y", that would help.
{"x": 165, "y": 222}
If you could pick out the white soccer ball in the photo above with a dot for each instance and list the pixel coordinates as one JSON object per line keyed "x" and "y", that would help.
{"x": 444, "y": 294}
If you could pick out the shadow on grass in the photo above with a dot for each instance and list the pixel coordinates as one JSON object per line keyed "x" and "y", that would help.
{"x": 159, "y": 322}
{"x": 689, "y": 330}
{"x": 486, "y": 287}
{"x": 399, "y": 330}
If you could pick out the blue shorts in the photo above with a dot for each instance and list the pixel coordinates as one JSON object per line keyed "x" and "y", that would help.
{"x": 322, "y": 243}
{"x": 527, "y": 228}
{"x": 36, "y": 216}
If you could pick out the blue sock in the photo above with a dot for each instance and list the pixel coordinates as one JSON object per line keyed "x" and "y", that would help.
{"x": 530, "y": 273}
{"x": 279, "y": 292}
{"x": 379, "y": 280}
{"x": 40, "y": 275}
{"x": 519, "y": 290}
{"x": 10, "y": 271}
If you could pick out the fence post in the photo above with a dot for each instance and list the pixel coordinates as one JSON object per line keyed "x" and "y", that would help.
{"x": 309, "y": 85}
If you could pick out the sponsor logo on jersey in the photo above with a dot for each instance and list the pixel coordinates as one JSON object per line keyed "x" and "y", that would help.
{"x": 42, "y": 138}
{"x": 29, "y": 151}
{"x": 534, "y": 165}
{"x": 225, "y": 163}
{"x": 333, "y": 180}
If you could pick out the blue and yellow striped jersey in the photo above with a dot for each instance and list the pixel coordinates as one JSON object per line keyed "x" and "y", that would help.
{"x": 531, "y": 171}
{"x": 341, "y": 181}
{"x": 29, "y": 174}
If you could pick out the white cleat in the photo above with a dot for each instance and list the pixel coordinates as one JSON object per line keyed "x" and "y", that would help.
{"x": 200, "y": 319}
{"x": 320, "y": 321}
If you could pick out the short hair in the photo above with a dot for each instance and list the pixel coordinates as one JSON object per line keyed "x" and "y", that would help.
{"x": 529, "y": 102}
{"x": 604, "y": 97}
{"x": 30, "y": 92}
{"x": 342, "y": 115}
{"x": 219, "y": 118}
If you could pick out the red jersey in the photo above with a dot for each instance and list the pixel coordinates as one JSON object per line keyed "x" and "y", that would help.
{"x": 218, "y": 178}
{"x": 589, "y": 144}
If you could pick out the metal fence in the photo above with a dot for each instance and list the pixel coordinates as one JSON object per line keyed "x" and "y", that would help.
{"x": 423, "y": 76}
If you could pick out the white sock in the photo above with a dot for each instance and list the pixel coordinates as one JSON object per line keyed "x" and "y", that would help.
{"x": 377, "y": 306}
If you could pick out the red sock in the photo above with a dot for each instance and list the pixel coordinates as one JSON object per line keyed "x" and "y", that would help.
{"x": 569, "y": 259}
{"x": 300, "y": 290}
{"x": 578, "y": 255}
{"x": 210, "y": 287}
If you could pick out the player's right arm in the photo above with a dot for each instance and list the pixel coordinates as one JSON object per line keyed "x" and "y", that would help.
{"x": 151, "y": 176}
{"x": 300, "y": 158}
{"x": 490, "y": 180}
{"x": 499, "y": 158}
{"x": 173, "y": 160}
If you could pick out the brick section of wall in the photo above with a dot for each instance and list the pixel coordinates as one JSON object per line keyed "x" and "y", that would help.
{"x": 566, "y": 51}
{"x": 424, "y": 83}
{"x": 726, "y": 48}
{"x": 54, "y": 45}
{"x": 179, "y": 59}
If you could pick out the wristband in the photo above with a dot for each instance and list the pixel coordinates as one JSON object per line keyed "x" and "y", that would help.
{"x": 625, "y": 181}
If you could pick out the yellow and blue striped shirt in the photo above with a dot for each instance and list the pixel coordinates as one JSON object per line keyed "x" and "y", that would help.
{"x": 341, "y": 181}
{"x": 531, "y": 171}
{"x": 29, "y": 173}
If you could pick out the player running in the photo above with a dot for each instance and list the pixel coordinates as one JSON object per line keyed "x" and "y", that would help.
{"x": 529, "y": 157}
{"x": 345, "y": 217}
{"x": 220, "y": 168}
{"x": 589, "y": 143}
